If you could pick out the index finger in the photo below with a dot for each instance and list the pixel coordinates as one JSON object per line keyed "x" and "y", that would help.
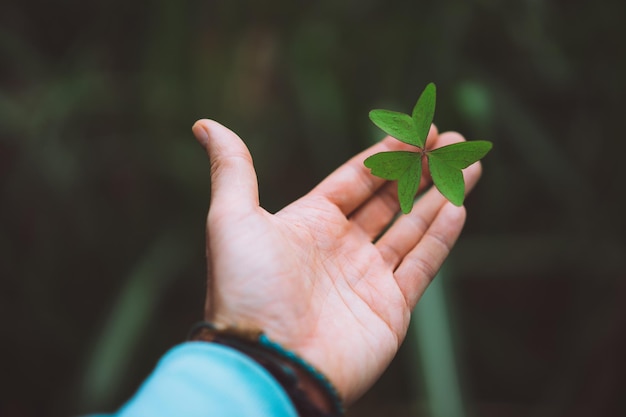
{"x": 352, "y": 184}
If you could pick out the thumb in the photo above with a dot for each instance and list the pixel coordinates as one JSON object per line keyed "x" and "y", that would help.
{"x": 233, "y": 180}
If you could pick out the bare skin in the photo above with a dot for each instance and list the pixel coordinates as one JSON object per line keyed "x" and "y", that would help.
{"x": 317, "y": 277}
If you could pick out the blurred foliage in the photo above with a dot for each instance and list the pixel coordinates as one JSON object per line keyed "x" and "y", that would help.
{"x": 100, "y": 177}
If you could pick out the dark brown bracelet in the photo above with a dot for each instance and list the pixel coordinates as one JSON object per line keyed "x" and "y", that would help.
{"x": 311, "y": 392}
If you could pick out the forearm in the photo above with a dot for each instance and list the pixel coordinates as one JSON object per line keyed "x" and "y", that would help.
{"x": 206, "y": 379}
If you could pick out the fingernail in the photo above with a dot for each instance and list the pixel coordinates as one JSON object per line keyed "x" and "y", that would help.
{"x": 201, "y": 134}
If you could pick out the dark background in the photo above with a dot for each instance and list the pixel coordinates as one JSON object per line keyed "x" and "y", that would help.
{"x": 104, "y": 191}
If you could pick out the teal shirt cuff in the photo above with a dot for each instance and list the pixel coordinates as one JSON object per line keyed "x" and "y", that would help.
{"x": 205, "y": 379}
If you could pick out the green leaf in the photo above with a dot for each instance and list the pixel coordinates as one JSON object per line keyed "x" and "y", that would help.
{"x": 423, "y": 113}
{"x": 403, "y": 166}
{"x": 462, "y": 154}
{"x": 448, "y": 179}
{"x": 395, "y": 124}
{"x": 445, "y": 163}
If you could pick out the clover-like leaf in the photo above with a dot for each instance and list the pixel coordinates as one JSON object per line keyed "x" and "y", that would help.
{"x": 463, "y": 154}
{"x": 447, "y": 179}
{"x": 423, "y": 113}
{"x": 397, "y": 125}
{"x": 445, "y": 163}
{"x": 403, "y": 166}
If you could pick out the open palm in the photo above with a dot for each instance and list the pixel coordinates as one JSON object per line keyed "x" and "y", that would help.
{"x": 331, "y": 276}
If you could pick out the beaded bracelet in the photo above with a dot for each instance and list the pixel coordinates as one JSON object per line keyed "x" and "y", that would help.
{"x": 298, "y": 378}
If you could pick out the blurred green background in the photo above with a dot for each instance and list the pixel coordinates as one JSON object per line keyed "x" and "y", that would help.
{"x": 104, "y": 191}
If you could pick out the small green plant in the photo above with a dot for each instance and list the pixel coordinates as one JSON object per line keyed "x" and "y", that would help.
{"x": 445, "y": 163}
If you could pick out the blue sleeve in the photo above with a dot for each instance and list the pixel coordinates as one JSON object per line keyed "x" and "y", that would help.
{"x": 204, "y": 379}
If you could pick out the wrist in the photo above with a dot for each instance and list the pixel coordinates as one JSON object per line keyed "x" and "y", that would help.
{"x": 311, "y": 392}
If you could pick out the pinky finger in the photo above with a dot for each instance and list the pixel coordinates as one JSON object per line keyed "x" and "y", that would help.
{"x": 421, "y": 264}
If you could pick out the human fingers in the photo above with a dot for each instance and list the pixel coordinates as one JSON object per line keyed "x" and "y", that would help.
{"x": 409, "y": 229}
{"x": 374, "y": 215}
{"x": 352, "y": 184}
{"x": 418, "y": 268}
{"x": 234, "y": 186}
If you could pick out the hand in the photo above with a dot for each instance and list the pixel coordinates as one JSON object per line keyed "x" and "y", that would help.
{"x": 316, "y": 277}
